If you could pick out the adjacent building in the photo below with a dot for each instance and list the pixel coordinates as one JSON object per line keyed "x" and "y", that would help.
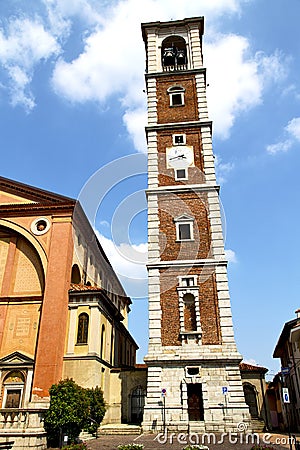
{"x": 288, "y": 350}
{"x": 255, "y": 390}
{"x": 193, "y": 362}
{"x": 63, "y": 311}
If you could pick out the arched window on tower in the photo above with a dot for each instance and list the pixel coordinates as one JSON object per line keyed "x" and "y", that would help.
{"x": 174, "y": 54}
{"x": 83, "y": 328}
{"x": 190, "y": 322}
{"x": 176, "y": 94}
{"x": 189, "y": 309}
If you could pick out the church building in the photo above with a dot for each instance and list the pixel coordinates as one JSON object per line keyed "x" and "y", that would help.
{"x": 63, "y": 311}
{"x": 194, "y": 381}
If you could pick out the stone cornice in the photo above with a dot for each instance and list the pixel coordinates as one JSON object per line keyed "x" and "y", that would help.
{"x": 204, "y": 359}
{"x": 97, "y": 299}
{"x": 88, "y": 357}
{"x": 187, "y": 263}
{"x": 32, "y": 209}
{"x": 31, "y": 192}
{"x": 159, "y": 74}
{"x": 179, "y": 125}
{"x": 183, "y": 188}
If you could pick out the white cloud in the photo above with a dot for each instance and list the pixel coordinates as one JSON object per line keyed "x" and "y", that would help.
{"x": 102, "y": 70}
{"x": 129, "y": 263}
{"x": 222, "y": 169}
{"x": 112, "y": 60}
{"x": 250, "y": 361}
{"x": 59, "y": 11}
{"x": 236, "y": 79}
{"x": 231, "y": 256}
{"x": 135, "y": 121}
{"x": 24, "y": 44}
{"x": 293, "y": 127}
{"x": 280, "y": 147}
{"x": 293, "y": 132}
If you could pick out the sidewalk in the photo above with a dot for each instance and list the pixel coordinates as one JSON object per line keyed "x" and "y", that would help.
{"x": 237, "y": 441}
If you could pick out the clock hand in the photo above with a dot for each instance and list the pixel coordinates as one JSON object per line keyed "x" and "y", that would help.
{"x": 178, "y": 156}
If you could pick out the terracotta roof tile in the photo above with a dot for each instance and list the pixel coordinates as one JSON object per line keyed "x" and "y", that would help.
{"x": 83, "y": 288}
{"x": 141, "y": 366}
{"x": 251, "y": 368}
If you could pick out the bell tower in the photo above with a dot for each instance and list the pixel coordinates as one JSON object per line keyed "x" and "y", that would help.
{"x": 194, "y": 382}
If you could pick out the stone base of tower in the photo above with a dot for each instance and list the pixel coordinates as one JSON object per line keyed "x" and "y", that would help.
{"x": 188, "y": 397}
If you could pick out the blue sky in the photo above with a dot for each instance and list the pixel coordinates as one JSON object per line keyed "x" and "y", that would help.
{"x": 72, "y": 102}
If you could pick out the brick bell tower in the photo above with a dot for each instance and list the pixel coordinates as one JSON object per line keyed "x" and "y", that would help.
{"x": 192, "y": 357}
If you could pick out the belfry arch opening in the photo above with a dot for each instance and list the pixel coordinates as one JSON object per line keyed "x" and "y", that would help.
{"x": 173, "y": 53}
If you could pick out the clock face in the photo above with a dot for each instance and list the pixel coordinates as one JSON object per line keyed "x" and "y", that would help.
{"x": 179, "y": 157}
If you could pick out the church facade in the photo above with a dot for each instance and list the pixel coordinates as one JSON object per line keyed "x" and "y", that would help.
{"x": 63, "y": 311}
{"x": 194, "y": 382}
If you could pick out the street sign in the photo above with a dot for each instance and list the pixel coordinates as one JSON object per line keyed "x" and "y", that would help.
{"x": 285, "y": 395}
{"x": 285, "y": 370}
{"x": 224, "y": 390}
{"x": 164, "y": 392}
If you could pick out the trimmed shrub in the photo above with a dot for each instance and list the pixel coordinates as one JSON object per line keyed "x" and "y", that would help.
{"x": 96, "y": 409}
{"x": 81, "y": 446}
{"x": 68, "y": 412}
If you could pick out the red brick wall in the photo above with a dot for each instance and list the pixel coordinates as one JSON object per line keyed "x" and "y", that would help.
{"x": 172, "y": 206}
{"x": 186, "y": 112}
{"x": 208, "y": 304}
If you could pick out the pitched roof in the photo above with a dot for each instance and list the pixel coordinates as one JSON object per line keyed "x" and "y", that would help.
{"x": 245, "y": 367}
{"x": 19, "y": 197}
{"x": 284, "y": 336}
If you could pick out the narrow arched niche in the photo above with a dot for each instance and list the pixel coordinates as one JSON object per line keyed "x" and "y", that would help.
{"x": 75, "y": 276}
{"x": 190, "y": 322}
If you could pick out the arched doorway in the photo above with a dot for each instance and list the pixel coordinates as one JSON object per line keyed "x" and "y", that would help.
{"x": 251, "y": 399}
{"x": 137, "y": 404}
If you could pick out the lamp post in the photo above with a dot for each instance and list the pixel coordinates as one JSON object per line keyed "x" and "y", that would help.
{"x": 96, "y": 423}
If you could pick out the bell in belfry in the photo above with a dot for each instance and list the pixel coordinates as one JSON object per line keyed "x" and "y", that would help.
{"x": 180, "y": 58}
{"x": 169, "y": 56}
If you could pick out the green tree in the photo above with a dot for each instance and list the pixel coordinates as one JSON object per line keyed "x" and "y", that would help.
{"x": 68, "y": 411}
{"x": 96, "y": 409}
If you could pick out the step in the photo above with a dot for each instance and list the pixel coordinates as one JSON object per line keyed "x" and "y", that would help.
{"x": 196, "y": 427}
{"x": 120, "y": 428}
{"x": 258, "y": 425}
{"x": 86, "y": 436}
